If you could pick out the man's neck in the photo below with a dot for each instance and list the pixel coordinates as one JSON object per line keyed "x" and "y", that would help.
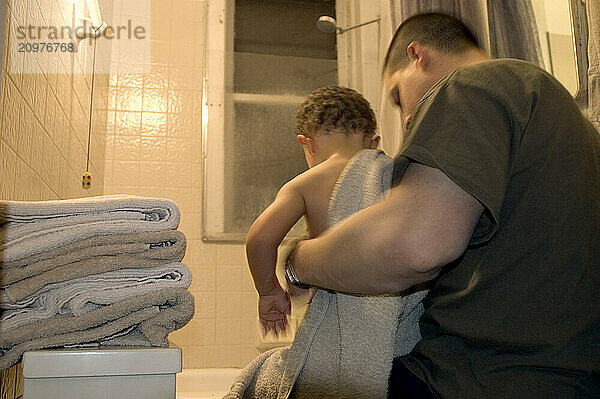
{"x": 466, "y": 58}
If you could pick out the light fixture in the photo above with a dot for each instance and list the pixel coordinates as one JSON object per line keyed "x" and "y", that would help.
{"x": 328, "y": 24}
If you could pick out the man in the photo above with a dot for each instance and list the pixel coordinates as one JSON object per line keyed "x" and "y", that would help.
{"x": 500, "y": 205}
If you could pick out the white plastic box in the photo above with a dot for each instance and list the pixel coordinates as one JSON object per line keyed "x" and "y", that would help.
{"x": 124, "y": 373}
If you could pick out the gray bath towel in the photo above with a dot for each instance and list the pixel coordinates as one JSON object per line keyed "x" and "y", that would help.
{"x": 168, "y": 245}
{"x": 82, "y": 295}
{"x": 31, "y": 227}
{"x": 144, "y": 320}
{"x": 17, "y": 292}
{"x": 346, "y": 344}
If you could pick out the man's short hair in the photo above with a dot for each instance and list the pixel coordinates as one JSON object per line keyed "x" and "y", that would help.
{"x": 335, "y": 109}
{"x": 442, "y": 32}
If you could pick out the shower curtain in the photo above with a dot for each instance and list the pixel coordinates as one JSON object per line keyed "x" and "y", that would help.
{"x": 593, "y": 14}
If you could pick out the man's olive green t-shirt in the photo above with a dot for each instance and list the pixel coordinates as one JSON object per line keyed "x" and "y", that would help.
{"x": 518, "y": 314}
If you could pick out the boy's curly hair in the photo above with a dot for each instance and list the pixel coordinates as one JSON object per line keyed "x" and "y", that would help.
{"x": 335, "y": 109}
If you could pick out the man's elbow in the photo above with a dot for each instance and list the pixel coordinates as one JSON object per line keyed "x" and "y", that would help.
{"x": 427, "y": 258}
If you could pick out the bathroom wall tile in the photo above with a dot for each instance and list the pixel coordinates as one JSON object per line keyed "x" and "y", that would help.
{"x": 208, "y": 254}
{"x": 195, "y": 222}
{"x": 48, "y": 153}
{"x": 152, "y": 174}
{"x": 3, "y": 95}
{"x": 180, "y": 195}
{"x": 228, "y": 331}
{"x": 222, "y": 355}
{"x": 13, "y": 63}
{"x": 196, "y": 202}
{"x": 11, "y": 124}
{"x": 153, "y": 148}
{"x": 182, "y": 50}
{"x": 181, "y": 101}
{"x": 204, "y": 279}
{"x": 127, "y": 148}
{"x": 247, "y": 354}
{"x": 158, "y": 57}
{"x": 129, "y": 99}
{"x": 154, "y": 100}
{"x": 250, "y": 304}
{"x": 180, "y": 125}
{"x": 199, "y": 356}
{"x": 38, "y": 144}
{"x": 128, "y": 123}
{"x": 229, "y": 279}
{"x": 5, "y": 187}
{"x": 247, "y": 282}
{"x": 229, "y": 254}
{"x": 197, "y": 332}
{"x": 154, "y": 124}
{"x": 158, "y": 77}
{"x": 9, "y": 178}
{"x": 109, "y": 147}
{"x": 180, "y": 174}
{"x": 113, "y": 92}
{"x": 190, "y": 224}
{"x": 191, "y": 357}
{"x": 205, "y": 304}
{"x": 251, "y": 331}
{"x": 125, "y": 172}
{"x": 130, "y": 79}
{"x": 229, "y": 304}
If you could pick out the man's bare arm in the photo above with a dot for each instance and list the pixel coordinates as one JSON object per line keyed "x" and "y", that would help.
{"x": 267, "y": 232}
{"x": 426, "y": 222}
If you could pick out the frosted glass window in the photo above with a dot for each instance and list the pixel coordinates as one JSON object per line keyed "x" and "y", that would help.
{"x": 273, "y": 56}
{"x": 278, "y": 74}
{"x": 264, "y": 155}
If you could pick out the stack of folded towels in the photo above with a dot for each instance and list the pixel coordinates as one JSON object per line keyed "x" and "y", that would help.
{"x": 96, "y": 271}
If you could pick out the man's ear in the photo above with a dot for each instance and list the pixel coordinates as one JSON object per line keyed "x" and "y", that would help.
{"x": 418, "y": 54}
{"x": 306, "y": 142}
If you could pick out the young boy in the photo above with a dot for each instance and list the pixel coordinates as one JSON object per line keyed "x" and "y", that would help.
{"x": 332, "y": 125}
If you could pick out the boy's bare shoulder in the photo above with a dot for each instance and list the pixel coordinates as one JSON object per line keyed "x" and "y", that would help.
{"x": 322, "y": 174}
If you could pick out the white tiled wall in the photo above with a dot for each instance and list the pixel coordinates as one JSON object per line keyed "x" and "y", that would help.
{"x": 44, "y": 112}
{"x": 153, "y": 148}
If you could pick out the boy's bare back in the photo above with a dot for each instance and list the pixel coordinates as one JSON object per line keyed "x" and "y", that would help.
{"x": 315, "y": 186}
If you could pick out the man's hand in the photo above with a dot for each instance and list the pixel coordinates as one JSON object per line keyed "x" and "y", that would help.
{"x": 273, "y": 309}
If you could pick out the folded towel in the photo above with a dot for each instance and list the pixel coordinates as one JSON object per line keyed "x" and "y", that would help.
{"x": 146, "y": 319}
{"x": 14, "y": 293}
{"x": 30, "y": 227}
{"x": 346, "y": 344}
{"x": 168, "y": 245}
{"x": 82, "y": 295}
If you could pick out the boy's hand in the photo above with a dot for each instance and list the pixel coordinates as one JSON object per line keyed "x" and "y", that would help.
{"x": 273, "y": 309}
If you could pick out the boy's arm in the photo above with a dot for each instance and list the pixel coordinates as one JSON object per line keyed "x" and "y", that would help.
{"x": 267, "y": 232}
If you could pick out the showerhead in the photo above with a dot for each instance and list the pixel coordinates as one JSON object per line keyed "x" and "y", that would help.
{"x": 326, "y": 24}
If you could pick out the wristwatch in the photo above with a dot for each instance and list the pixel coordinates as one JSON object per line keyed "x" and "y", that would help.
{"x": 291, "y": 273}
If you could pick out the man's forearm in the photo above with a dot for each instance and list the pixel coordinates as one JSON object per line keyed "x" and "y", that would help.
{"x": 365, "y": 255}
